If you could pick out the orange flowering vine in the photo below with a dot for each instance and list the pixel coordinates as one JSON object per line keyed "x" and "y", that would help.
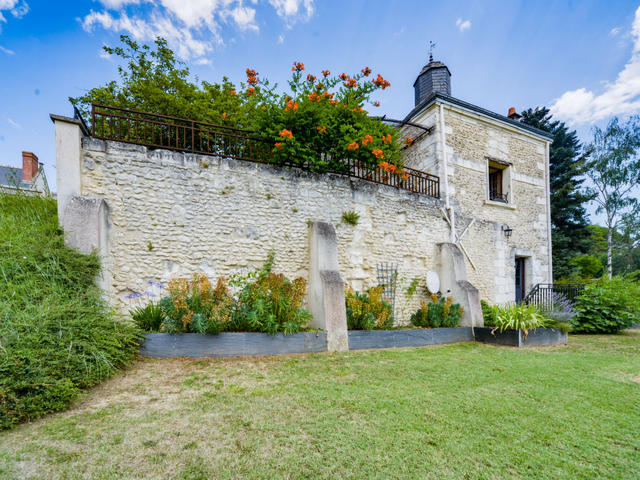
{"x": 327, "y": 94}
{"x": 321, "y": 129}
{"x": 224, "y": 114}
{"x": 343, "y": 76}
{"x": 311, "y": 78}
{"x": 233, "y": 93}
{"x": 297, "y": 67}
{"x": 366, "y": 71}
{"x": 387, "y": 138}
{"x": 314, "y": 97}
{"x": 291, "y": 105}
{"x": 250, "y": 91}
{"x": 326, "y": 73}
{"x": 381, "y": 82}
{"x": 286, "y": 133}
{"x": 350, "y": 83}
{"x": 367, "y": 140}
{"x": 353, "y": 146}
{"x": 278, "y": 145}
{"x": 251, "y": 72}
{"x": 408, "y": 141}
{"x": 379, "y": 154}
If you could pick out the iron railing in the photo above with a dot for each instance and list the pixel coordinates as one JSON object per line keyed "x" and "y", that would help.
{"x": 499, "y": 197}
{"x": 544, "y": 294}
{"x": 173, "y": 133}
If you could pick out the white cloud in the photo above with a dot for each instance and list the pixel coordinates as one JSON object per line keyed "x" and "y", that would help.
{"x": 6, "y": 50}
{"x": 293, "y": 10}
{"x": 280, "y": 39}
{"x": 620, "y": 97}
{"x": 14, "y": 124}
{"x": 192, "y": 27}
{"x": 463, "y": 24}
{"x": 17, "y": 8}
{"x": 614, "y": 31}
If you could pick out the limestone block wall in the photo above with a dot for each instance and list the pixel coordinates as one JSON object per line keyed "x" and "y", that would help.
{"x": 174, "y": 214}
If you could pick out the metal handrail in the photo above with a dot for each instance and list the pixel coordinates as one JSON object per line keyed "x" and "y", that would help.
{"x": 148, "y": 129}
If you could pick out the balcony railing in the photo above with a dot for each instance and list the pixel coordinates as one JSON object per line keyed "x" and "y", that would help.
{"x": 544, "y": 294}
{"x": 499, "y": 197}
{"x": 173, "y": 133}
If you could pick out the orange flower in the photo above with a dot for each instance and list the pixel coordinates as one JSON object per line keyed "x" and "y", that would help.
{"x": 405, "y": 177}
{"x": 383, "y": 165}
{"x": 278, "y": 145}
{"x": 326, "y": 73}
{"x": 321, "y": 129}
{"x": 333, "y": 102}
{"x": 291, "y": 106}
{"x": 314, "y": 97}
{"x": 319, "y": 86}
{"x": 350, "y": 83}
{"x": 286, "y": 133}
{"x": 251, "y": 72}
{"x": 366, "y": 71}
{"x": 391, "y": 168}
{"x": 252, "y": 80}
{"x": 342, "y": 76}
{"x": 250, "y": 91}
{"x": 408, "y": 141}
{"x": 327, "y": 94}
{"x": 310, "y": 78}
{"x": 297, "y": 67}
{"x": 387, "y": 138}
{"x": 378, "y": 153}
{"x": 376, "y": 104}
{"x": 367, "y": 140}
{"x": 233, "y": 93}
{"x": 381, "y": 82}
{"x": 353, "y": 146}
{"x": 263, "y": 107}
{"x": 224, "y": 114}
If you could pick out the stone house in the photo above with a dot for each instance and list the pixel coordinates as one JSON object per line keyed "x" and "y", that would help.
{"x": 29, "y": 179}
{"x": 484, "y": 232}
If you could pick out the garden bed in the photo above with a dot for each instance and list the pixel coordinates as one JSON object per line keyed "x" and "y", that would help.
{"x": 410, "y": 337}
{"x": 231, "y": 344}
{"x": 516, "y": 338}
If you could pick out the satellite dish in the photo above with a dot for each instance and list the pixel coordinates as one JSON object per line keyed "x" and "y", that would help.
{"x": 433, "y": 281}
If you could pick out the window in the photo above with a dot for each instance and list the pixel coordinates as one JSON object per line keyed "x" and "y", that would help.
{"x": 499, "y": 181}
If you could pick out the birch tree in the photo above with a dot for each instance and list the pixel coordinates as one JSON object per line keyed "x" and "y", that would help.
{"x": 614, "y": 171}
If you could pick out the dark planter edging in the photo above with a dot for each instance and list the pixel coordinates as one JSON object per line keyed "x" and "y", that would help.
{"x": 515, "y": 338}
{"x": 414, "y": 337}
{"x": 231, "y": 344}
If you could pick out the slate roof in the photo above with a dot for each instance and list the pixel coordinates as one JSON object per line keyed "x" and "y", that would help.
{"x": 12, "y": 177}
{"x": 469, "y": 106}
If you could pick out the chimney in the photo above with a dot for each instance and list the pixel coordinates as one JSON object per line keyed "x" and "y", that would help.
{"x": 513, "y": 115}
{"x": 434, "y": 77}
{"x": 29, "y": 166}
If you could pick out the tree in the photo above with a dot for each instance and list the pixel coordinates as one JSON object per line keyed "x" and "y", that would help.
{"x": 614, "y": 171}
{"x": 569, "y": 226}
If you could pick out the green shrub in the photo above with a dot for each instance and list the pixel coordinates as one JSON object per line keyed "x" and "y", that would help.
{"x": 440, "y": 313}
{"x": 57, "y": 336}
{"x": 368, "y": 310}
{"x": 513, "y": 316}
{"x": 194, "y": 305}
{"x": 148, "y": 318}
{"x": 607, "y": 306}
{"x": 269, "y": 302}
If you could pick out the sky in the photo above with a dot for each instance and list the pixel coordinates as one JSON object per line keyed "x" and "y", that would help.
{"x": 580, "y": 58}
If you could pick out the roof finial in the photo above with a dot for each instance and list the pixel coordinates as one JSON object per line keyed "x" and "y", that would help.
{"x": 432, "y": 45}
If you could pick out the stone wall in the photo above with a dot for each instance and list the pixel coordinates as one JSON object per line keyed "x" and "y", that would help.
{"x": 173, "y": 214}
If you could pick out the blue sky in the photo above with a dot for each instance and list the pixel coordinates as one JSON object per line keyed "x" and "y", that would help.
{"x": 582, "y": 58}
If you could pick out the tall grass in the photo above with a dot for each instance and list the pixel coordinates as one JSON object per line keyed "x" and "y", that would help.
{"x": 57, "y": 335}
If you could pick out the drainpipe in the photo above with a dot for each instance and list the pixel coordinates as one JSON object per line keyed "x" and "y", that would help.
{"x": 548, "y": 192}
{"x": 448, "y": 207}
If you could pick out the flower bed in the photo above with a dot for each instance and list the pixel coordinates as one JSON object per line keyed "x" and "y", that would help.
{"x": 231, "y": 344}
{"x": 517, "y": 338}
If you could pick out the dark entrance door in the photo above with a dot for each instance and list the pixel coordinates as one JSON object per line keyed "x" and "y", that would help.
{"x": 520, "y": 276}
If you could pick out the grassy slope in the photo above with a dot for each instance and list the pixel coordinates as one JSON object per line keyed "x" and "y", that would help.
{"x": 56, "y": 335}
{"x": 459, "y": 411}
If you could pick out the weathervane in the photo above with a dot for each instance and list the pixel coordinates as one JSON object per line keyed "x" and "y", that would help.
{"x": 432, "y": 45}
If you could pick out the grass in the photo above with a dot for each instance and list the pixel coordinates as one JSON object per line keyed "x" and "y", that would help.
{"x": 453, "y": 412}
{"x": 57, "y": 336}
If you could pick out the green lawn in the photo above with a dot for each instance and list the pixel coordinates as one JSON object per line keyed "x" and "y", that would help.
{"x": 457, "y": 411}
